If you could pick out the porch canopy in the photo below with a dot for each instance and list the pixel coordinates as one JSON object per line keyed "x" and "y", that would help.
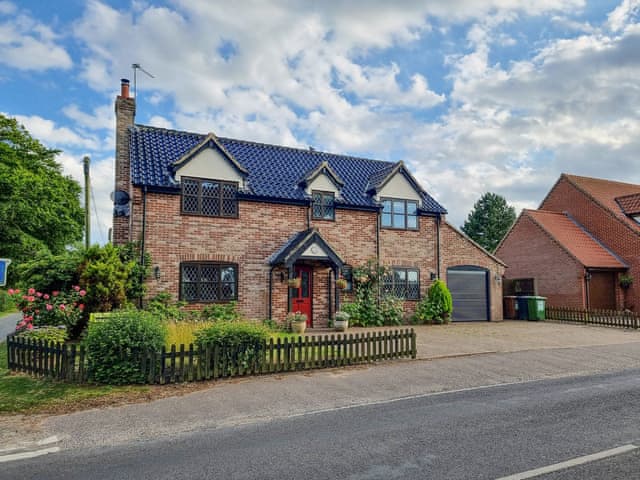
{"x": 307, "y": 245}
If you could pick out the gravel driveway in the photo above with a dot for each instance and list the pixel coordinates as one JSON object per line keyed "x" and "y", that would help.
{"x": 455, "y": 339}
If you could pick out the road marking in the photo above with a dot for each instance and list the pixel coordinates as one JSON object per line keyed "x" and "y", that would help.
{"x": 373, "y": 403}
{"x": 24, "y": 455}
{"x": 48, "y": 440}
{"x": 570, "y": 463}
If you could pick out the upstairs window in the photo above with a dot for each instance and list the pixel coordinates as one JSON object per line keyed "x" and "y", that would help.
{"x": 208, "y": 282}
{"x": 323, "y": 205}
{"x": 211, "y": 198}
{"x": 402, "y": 283}
{"x": 399, "y": 214}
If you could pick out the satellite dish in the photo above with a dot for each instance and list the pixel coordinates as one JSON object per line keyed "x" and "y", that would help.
{"x": 120, "y": 197}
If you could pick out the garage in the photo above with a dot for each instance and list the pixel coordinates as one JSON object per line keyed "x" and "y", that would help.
{"x": 470, "y": 292}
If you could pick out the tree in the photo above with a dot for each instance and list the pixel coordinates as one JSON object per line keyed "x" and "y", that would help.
{"x": 489, "y": 220}
{"x": 39, "y": 206}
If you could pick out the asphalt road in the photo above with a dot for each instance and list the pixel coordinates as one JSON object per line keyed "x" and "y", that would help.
{"x": 478, "y": 433}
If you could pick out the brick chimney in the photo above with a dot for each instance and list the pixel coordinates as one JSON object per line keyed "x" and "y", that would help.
{"x": 125, "y": 113}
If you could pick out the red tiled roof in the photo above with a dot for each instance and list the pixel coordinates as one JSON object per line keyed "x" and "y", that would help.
{"x": 574, "y": 239}
{"x": 606, "y": 192}
{"x": 630, "y": 204}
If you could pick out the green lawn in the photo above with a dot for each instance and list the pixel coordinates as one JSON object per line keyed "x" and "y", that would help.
{"x": 25, "y": 394}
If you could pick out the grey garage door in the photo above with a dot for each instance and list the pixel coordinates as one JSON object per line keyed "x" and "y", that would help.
{"x": 468, "y": 286}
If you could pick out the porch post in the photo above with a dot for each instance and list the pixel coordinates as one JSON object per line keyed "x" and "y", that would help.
{"x": 336, "y": 275}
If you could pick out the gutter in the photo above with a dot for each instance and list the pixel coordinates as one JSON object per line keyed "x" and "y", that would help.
{"x": 438, "y": 246}
{"x": 142, "y": 245}
{"x": 271, "y": 292}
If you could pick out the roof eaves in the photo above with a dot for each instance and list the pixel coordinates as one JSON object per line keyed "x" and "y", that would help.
{"x": 211, "y": 137}
{"x": 551, "y": 237}
{"x": 602, "y": 245}
{"x": 325, "y": 168}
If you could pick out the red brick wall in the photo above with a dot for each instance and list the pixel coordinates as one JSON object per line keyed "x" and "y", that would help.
{"x": 172, "y": 238}
{"x": 530, "y": 252}
{"x": 458, "y": 250}
{"x": 603, "y": 225}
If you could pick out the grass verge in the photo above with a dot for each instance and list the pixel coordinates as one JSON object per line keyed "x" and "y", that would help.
{"x": 25, "y": 394}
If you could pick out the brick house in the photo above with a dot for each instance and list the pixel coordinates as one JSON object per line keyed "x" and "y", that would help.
{"x": 584, "y": 236}
{"x": 226, "y": 219}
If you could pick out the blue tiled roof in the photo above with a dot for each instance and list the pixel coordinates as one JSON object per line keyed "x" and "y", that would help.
{"x": 274, "y": 171}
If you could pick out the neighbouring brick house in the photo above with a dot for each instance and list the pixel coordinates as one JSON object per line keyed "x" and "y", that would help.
{"x": 584, "y": 236}
{"x": 227, "y": 219}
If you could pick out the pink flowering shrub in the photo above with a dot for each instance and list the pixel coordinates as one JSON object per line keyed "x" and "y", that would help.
{"x": 56, "y": 308}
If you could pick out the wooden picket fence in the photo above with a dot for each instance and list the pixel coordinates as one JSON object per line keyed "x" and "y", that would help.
{"x": 608, "y": 318}
{"x": 190, "y": 364}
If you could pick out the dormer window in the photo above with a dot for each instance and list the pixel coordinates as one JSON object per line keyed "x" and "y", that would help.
{"x": 211, "y": 198}
{"x": 399, "y": 214}
{"x": 322, "y": 205}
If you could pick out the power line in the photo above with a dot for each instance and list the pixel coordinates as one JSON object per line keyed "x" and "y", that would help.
{"x": 95, "y": 211}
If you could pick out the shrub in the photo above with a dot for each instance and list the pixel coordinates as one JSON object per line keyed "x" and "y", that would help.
{"x": 129, "y": 254}
{"x": 47, "y": 334}
{"x": 240, "y": 343}
{"x": 115, "y": 346}
{"x": 48, "y": 273}
{"x": 424, "y": 312}
{"x": 227, "y": 312}
{"x": 105, "y": 277}
{"x": 391, "y": 310}
{"x": 369, "y": 308}
{"x": 53, "y": 309}
{"x": 163, "y": 307}
{"x": 440, "y": 301}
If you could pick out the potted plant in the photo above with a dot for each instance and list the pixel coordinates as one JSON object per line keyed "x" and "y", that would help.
{"x": 295, "y": 282}
{"x": 341, "y": 321}
{"x": 298, "y": 321}
{"x": 626, "y": 280}
{"x": 341, "y": 283}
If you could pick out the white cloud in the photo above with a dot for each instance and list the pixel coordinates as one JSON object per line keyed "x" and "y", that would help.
{"x": 623, "y": 14}
{"x": 102, "y": 117}
{"x": 7, "y": 8}
{"x": 573, "y": 107}
{"x": 160, "y": 121}
{"x": 48, "y": 133}
{"x": 27, "y": 44}
{"x": 300, "y": 74}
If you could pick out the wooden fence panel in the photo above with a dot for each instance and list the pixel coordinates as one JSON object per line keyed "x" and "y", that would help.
{"x": 607, "y": 318}
{"x": 181, "y": 364}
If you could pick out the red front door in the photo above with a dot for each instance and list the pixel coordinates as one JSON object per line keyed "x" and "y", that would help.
{"x": 301, "y": 297}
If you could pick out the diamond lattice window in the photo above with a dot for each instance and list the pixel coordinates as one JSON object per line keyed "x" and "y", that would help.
{"x": 402, "y": 283}
{"x": 323, "y": 205}
{"x": 211, "y": 198}
{"x": 208, "y": 282}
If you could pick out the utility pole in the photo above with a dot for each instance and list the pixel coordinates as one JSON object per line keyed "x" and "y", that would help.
{"x": 87, "y": 192}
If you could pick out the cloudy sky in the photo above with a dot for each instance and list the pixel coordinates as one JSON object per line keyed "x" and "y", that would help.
{"x": 476, "y": 96}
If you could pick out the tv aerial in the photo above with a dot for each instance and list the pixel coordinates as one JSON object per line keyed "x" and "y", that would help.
{"x": 136, "y": 67}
